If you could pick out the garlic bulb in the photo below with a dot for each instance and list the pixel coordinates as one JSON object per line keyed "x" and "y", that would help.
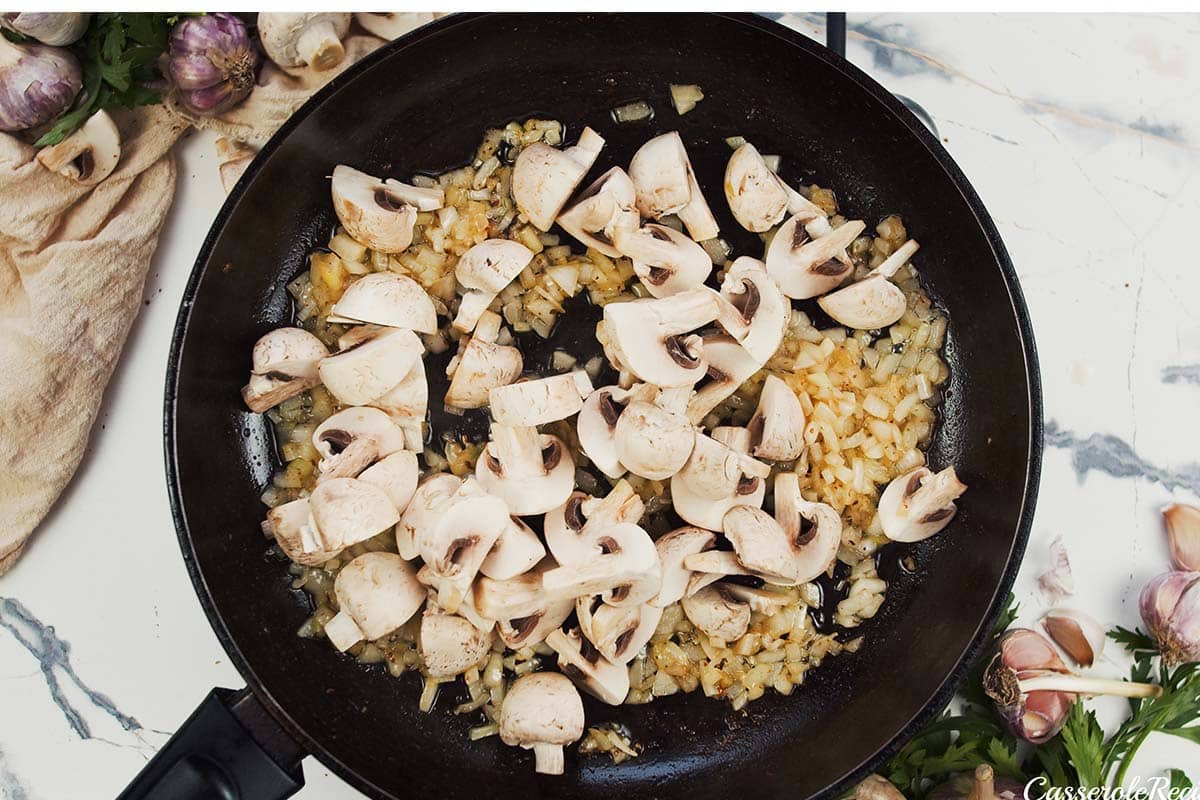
{"x": 212, "y": 62}
{"x": 37, "y": 83}
{"x": 1076, "y": 633}
{"x": 1170, "y": 606}
{"x": 56, "y": 29}
{"x": 1183, "y": 535}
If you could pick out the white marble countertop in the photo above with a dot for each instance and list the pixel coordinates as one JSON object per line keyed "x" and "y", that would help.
{"x": 1081, "y": 134}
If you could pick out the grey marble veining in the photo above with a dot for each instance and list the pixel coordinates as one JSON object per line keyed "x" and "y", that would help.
{"x": 1183, "y": 373}
{"x": 53, "y": 655}
{"x": 11, "y": 785}
{"x": 1112, "y": 455}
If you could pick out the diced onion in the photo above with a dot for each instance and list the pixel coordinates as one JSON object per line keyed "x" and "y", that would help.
{"x": 684, "y": 97}
{"x": 633, "y": 112}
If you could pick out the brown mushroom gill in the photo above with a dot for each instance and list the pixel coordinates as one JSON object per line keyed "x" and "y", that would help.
{"x": 551, "y": 455}
{"x": 747, "y": 301}
{"x": 387, "y": 201}
{"x": 85, "y": 162}
{"x": 452, "y": 561}
{"x": 610, "y": 410}
{"x": 677, "y": 349}
{"x": 573, "y": 514}
{"x": 338, "y": 440}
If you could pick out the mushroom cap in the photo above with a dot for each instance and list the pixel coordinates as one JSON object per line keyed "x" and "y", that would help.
{"x": 815, "y": 545}
{"x": 602, "y": 209}
{"x": 380, "y": 591}
{"x": 531, "y": 472}
{"x": 509, "y": 598}
{"x": 423, "y": 511}
{"x": 805, "y": 267}
{"x": 659, "y": 171}
{"x": 284, "y": 364}
{"x": 672, "y": 549}
{"x": 293, "y": 39}
{"x": 89, "y": 155}
{"x": 760, "y": 599}
{"x": 406, "y": 403}
{"x": 464, "y": 534}
{"x": 715, "y": 470}
{"x": 696, "y": 216}
{"x": 544, "y": 177}
{"x": 367, "y": 371}
{"x": 492, "y": 264}
{"x": 539, "y": 401}
{"x": 919, "y": 504}
{"x": 777, "y": 426}
{"x": 482, "y": 366}
{"x": 386, "y": 298}
{"x": 709, "y": 566}
{"x": 596, "y": 429}
{"x": 516, "y": 551}
{"x": 371, "y": 211}
{"x": 709, "y": 513}
{"x": 597, "y": 676}
{"x": 352, "y": 439}
{"x": 647, "y": 336}
{"x": 729, "y": 365}
{"x": 756, "y": 195}
{"x": 541, "y": 708}
{"x": 347, "y": 511}
{"x": 627, "y": 556}
{"x": 666, "y": 261}
{"x": 618, "y": 632}
{"x": 760, "y": 312}
{"x": 760, "y": 544}
{"x": 450, "y": 645}
{"x": 652, "y": 441}
{"x": 870, "y": 304}
{"x": 397, "y": 475}
{"x": 289, "y": 525}
{"x": 391, "y": 25}
{"x": 572, "y": 529}
{"x": 717, "y": 615}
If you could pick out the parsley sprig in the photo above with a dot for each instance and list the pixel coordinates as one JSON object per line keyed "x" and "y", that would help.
{"x": 119, "y": 54}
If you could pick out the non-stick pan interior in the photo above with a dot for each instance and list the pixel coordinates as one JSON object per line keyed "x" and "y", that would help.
{"x": 422, "y": 107}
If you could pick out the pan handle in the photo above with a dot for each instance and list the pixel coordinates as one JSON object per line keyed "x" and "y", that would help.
{"x": 230, "y": 748}
{"x": 835, "y": 31}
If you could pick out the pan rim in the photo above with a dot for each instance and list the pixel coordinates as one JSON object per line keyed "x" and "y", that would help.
{"x": 945, "y": 690}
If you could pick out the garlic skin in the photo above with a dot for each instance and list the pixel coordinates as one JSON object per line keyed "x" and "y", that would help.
{"x": 57, "y": 29}
{"x": 1170, "y": 606}
{"x": 1077, "y": 634}
{"x": 37, "y": 83}
{"x": 1183, "y": 536}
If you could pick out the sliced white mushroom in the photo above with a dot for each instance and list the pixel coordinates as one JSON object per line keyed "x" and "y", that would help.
{"x": 596, "y": 428}
{"x": 450, "y": 644}
{"x": 542, "y": 712}
{"x": 516, "y": 551}
{"x": 392, "y": 24}
{"x": 397, "y": 475}
{"x": 590, "y": 671}
{"x": 482, "y": 366}
{"x": 710, "y": 566}
{"x": 717, "y": 615}
{"x": 666, "y": 261}
{"x": 762, "y": 600}
{"x": 483, "y": 271}
{"x": 572, "y": 530}
{"x": 406, "y": 403}
{"x": 89, "y": 155}
{"x": 371, "y": 211}
{"x": 652, "y": 441}
{"x": 605, "y": 207}
{"x": 530, "y": 471}
{"x": 353, "y": 439}
{"x": 627, "y": 560}
{"x": 376, "y": 594}
{"x": 777, "y": 427}
{"x": 666, "y": 184}
{"x": 233, "y": 158}
{"x": 369, "y": 369}
{"x": 756, "y": 195}
{"x": 525, "y": 614}
{"x": 919, "y": 504}
{"x": 347, "y": 511}
{"x": 729, "y": 365}
{"x": 874, "y": 302}
{"x": 814, "y": 530}
{"x": 805, "y": 267}
{"x": 696, "y": 216}
{"x": 423, "y": 511}
{"x": 673, "y": 548}
{"x": 536, "y": 402}
{"x": 650, "y": 338}
{"x": 716, "y": 478}
{"x": 618, "y": 632}
{"x": 284, "y": 364}
{"x": 293, "y": 39}
{"x": 456, "y": 546}
{"x": 386, "y": 298}
{"x": 289, "y": 525}
{"x": 544, "y": 177}
{"x": 756, "y": 311}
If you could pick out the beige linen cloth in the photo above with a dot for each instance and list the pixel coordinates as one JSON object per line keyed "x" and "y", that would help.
{"x": 73, "y": 261}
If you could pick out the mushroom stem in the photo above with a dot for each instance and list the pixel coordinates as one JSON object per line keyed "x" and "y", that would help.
{"x": 897, "y": 259}
{"x": 985, "y": 784}
{"x": 343, "y": 632}
{"x": 548, "y": 759}
{"x": 320, "y": 46}
{"x": 1077, "y": 684}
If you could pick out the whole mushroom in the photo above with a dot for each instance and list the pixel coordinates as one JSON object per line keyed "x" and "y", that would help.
{"x": 295, "y": 39}
{"x": 542, "y": 712}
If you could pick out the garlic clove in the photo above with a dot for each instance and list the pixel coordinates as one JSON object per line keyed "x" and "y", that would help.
{"x": 1183, "y": 535}
{"x": 1170, "y": 606}
{"x": 1078, "y": 635}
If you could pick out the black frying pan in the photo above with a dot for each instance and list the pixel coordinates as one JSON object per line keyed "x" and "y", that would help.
{"x": 421, "y": 104}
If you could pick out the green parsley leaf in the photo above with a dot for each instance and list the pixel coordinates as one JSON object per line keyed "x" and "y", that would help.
{"x": 1083, "y": 739}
